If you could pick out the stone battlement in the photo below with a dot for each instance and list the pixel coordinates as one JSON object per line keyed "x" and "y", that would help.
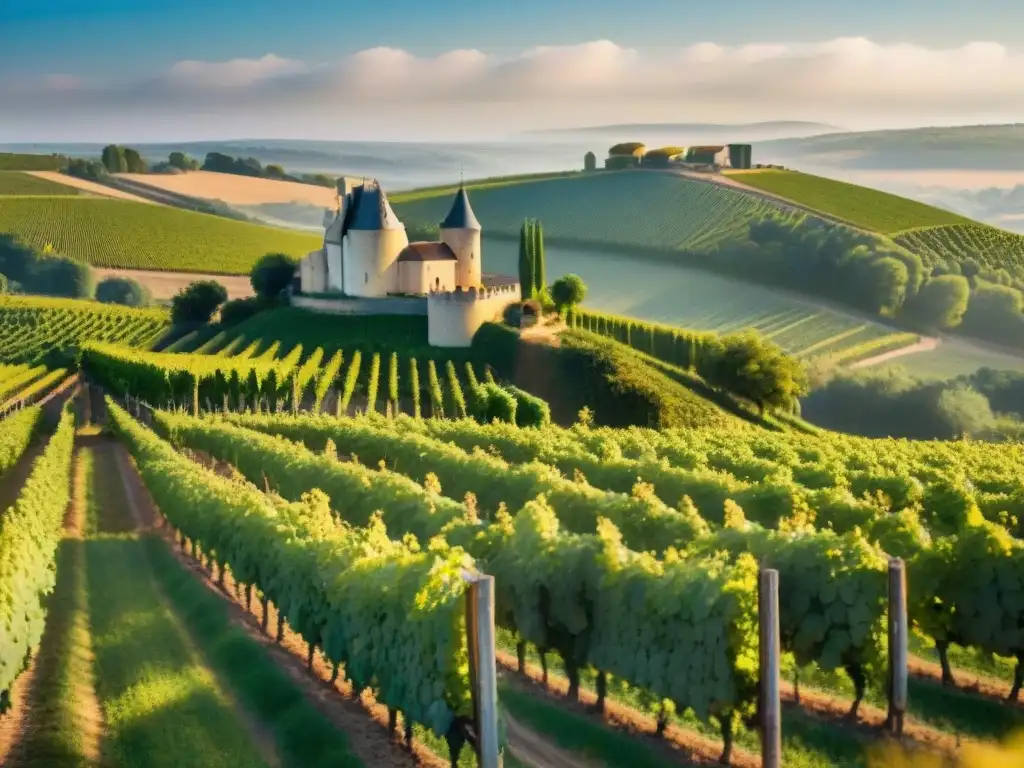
{"x": 509, "y": 291}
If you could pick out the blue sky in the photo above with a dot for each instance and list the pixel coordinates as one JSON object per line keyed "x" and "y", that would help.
{"x": 108, "y": 37}
{"x": 138, "y": 70}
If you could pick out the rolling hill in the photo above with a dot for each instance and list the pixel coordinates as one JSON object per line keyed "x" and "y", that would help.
{"x": 119, "y": 233}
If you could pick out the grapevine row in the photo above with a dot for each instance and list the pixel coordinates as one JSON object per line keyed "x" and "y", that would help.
{"x": 390, "y": 615}
{"x": 30, "y": 531}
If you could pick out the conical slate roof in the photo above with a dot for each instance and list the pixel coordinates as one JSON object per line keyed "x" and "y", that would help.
{"x": 372, "y": 211}
{"x": 461, "y": 215}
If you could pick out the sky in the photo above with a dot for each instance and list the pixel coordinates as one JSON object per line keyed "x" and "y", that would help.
{"x": 150, "y": 70}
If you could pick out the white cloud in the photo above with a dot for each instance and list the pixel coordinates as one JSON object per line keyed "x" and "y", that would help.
{"x": 852, "y": 81}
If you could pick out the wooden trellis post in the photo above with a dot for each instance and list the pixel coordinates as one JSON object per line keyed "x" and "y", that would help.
{"x": 483, "y": 667}
{"x": 897, "y": 645}
{"x": 770, "y": 706}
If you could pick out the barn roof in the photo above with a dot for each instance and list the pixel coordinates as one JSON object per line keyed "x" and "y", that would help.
{"x": 423, "y": 251}
{"x": 461, "y": 215}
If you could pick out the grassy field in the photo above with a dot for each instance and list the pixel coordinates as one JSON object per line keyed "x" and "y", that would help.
{"x": 16, "y": 183}
{"x": 632, "y": 209}
{"x": 861, "y": 206}
{"x": 118, "y": 233}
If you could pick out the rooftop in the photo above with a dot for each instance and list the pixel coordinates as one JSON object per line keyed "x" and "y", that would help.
{"x": 426, "y": 251}
{"x": 461, "y": 215}
{"x": 371, "y": 209}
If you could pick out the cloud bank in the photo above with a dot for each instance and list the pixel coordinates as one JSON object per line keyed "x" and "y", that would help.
{"x": 390, "y": 93}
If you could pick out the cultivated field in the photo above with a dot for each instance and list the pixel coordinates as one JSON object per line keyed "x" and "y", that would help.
{"x": 164, "y": 285}
{"x": 90, "y": 187}
{"x": 990, "y": 247}
{"x": 862, "y": 207}
{"x": 17, "y": 183}
{"x": 127, "y": 235}
{"x": 236, "y": 190}
{"x": 632, "y": 209}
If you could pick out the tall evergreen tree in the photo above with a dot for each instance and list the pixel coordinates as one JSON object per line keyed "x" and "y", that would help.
{"x": 526, "y": 278}
{"x": 539, "y": 268}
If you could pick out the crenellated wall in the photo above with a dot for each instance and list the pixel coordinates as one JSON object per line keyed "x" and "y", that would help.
{"x": 453, "y": 317}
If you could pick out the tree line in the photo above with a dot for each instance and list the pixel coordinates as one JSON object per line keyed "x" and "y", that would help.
{"x": 872, "y": 273}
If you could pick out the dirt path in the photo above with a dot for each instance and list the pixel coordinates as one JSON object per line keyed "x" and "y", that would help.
{"x": 926, "y": 344}
{"x": 91, "y": 187}
{"x": 529, "y": 748}
{"x": 163, "y": 285}
{"x": 679, "y": 745}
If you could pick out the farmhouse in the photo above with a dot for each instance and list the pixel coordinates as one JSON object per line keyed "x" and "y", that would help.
{"x": 367, "y": 265}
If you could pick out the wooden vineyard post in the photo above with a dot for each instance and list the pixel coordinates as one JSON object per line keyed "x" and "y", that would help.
{"x": 897, "y": 645}
{"x": 483, "y": 668}
{"x": 769, "y": 705}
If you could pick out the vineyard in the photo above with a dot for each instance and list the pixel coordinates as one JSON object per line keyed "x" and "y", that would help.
{"x": 13, "y": 161}
{"x": 757, "y": 497}
{"x": 862, "y": 207}
{"x": 12, "y": 183}
{"x": 990, "y": 247}
{"x": 642, "y": 210}
{"x": 804, "y": 333}
{"x": 32, "y": 326}
{"x": 119, "y": 233}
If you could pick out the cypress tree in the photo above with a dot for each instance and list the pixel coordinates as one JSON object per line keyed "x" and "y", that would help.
{"x": 539, "y": 270}
{"x": 525, "y": 261}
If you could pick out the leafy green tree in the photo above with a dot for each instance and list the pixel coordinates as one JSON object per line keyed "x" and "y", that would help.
{"x": 271, "y": 275}
{"x": 750, "y": 366}
{"x": 964, "y": 411}
{"x": 60, "y": 276}
{"x": 134, "y": 162}
{"x": 182, "y": 161}
{"x": 113, "y": 159}
{"x": 883, "y": 284}
{"x": 941, "y": 302}
{"x": 995, "y": 312}
{"x": 274, "y": 171}
{"x": 568, "y": 293}
{"x": 122, "y": 290}
{"x": 196, "y": 302}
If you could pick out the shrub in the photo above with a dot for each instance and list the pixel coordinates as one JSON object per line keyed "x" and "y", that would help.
{"x": 750, "y": 366}
{"x": 531, "y": 411}
{"x": 197, "y": 301}
{"x": 941, "y": 302}
{"x": 122, "y": 290}
{"x": 238, "y": 310}
{"x": 60, "y": 276}
{"x": 491, "y": 401}
{"x": 271, "y": 275}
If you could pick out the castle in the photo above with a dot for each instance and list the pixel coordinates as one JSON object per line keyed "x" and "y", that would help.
{"x": 367, "y": 265}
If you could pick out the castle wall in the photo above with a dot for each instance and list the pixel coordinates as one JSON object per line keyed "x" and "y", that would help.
{"x": 466, "y": 245}
{"x": 390, "y": 305}
{"x": 370, "y": 264}
{"x": 426, "y": 276}
{"x": 313, "y": 273}
{"x": 454, "y": 317}
{"x": 334, "y": 259}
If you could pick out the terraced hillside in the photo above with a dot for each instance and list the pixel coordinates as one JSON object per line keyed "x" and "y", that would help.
{"x": 631, "y": 209}
{"x": 119, "y": 233}
{"x": 990, "y": 247}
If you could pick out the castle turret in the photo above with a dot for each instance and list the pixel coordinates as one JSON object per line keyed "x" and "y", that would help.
{"x": 461, "y": 232}
{"x": 374, "y": 237}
